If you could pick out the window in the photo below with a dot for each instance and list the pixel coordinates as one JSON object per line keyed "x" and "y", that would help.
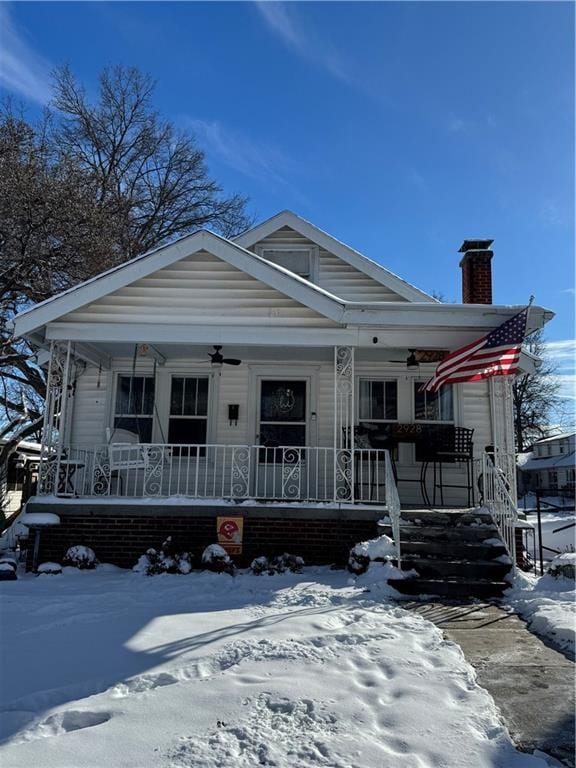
{"x": 188, "y": 419}
{"x": 377, "y": 404}
{"x": 135, "y": 406}
{"x": 298, "y": 260}
{"x": 282, "y": 415}
{"x": 552, "y": 479}
{"x": 433, "y": 406}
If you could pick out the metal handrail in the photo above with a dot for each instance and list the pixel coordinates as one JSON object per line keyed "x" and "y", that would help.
{"x": 393, "y": 505}
{"x": 499, "y": 501}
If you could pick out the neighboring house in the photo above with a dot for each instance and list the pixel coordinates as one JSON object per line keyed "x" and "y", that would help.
{"x": 21, "y": 477}
{"x": 323, "y": 353}
{"x": 551, "y": 464}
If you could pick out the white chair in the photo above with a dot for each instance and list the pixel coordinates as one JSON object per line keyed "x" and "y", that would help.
{"x": 125, "y": 453}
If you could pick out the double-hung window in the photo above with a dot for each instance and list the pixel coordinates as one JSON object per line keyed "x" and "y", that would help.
{"x": 134, "y": 406}
{"x": 188, "y": 418}
{"x": 434, "y": 406}
{"x": 377, "y": 404}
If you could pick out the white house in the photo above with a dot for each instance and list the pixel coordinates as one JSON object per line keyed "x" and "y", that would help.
{"x": 551, "y": 465}
{"x": 274, "y": 372}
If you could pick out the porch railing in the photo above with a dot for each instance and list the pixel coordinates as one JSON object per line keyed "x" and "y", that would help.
{"x": 234, "y": 472}
{"x": 497, "y": 498}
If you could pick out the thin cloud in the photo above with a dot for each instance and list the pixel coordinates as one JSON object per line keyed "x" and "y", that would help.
{"x": 22, "y": 70}
{"x": 563, "y": 354}
{"x": 283, "y": 20}
{"x": 253, "y": 158}
{"x": 562, "y": 350}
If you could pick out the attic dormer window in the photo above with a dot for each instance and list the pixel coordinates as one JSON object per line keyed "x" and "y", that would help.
{"x": 300, "y": 261}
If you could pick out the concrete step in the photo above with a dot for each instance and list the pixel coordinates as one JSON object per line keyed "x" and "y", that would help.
{"x": 452, "y": 587}
{"x": 443, "y": 550}
{"x": 478, "y": 570}
{"x": 438, "y": 533}
{"x": 445, "y": 518}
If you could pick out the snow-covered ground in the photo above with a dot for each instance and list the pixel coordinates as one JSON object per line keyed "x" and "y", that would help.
{"x": 548, "y": 604}
{"x": 113, "y": 668}
{"x": 559, "y": 540}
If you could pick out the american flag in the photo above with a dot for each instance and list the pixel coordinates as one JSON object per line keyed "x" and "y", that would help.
{"x": 495, "y": 354}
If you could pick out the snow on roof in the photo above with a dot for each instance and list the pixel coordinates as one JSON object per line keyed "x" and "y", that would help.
{"x": 550, "y": 462}
{"x": 561, "y": 436}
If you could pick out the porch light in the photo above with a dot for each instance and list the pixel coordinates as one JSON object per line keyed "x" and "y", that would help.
{"x": 411, "y": 361}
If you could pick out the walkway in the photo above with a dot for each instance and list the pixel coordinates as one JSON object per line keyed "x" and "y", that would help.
{"x": 532, "y": 684}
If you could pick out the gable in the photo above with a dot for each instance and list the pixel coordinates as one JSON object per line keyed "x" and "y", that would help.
{"x": 331, "y": 272}
{"x": 339, "y": 266}
{"x": 198, "y": 289}
{"x": 125, "y": 275}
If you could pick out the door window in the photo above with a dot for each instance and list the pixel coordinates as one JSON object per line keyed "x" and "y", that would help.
{"x": 282, "y": 413}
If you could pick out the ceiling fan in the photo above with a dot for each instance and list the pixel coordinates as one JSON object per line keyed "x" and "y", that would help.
{"x": 217, "y": 359}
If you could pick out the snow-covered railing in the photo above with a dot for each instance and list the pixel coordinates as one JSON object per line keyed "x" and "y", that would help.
{"x": 497, "y": 498}
{"x": 393, "y": 505}
{"x": 210, "y": 471}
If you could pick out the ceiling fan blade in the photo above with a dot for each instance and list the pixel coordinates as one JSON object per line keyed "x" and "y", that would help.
{"x": 231, "y": 361}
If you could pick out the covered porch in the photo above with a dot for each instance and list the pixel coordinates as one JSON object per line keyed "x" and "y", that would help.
{"x": 299, "y": 422}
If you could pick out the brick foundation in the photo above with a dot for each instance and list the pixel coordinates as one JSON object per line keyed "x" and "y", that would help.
{"x": 120, "y": 539}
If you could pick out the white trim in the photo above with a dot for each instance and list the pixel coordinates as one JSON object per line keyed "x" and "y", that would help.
{"x": 273, "y": 275}
{"x": 329, "y": 243}
{"x": 259, "y": 372}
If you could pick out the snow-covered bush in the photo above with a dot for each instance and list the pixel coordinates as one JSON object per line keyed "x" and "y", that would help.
{"x": 563, "y": 566}
{"x": 50, "y": 569}
{"x": 215, "y": 558}
{"x": 7, "y": 569}
{"x": 165, "y": 560}
{"x": 278, "y": 564}
{"x": 81, "y": 557}
{"x": 365, "y": 552}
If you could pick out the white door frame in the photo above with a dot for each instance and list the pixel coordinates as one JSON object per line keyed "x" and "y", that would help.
{"x": 284, "y": 372}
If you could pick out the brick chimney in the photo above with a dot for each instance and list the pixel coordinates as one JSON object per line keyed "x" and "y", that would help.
{"x": 476, "y": 271}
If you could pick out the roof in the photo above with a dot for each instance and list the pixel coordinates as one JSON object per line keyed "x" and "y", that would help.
{"x": 328, "y": 242}
{"x": 561, "y": 436}
{"x": 141, "y": 266}
{"x": 420, "y": 310}
{"x": 550, "y": 462}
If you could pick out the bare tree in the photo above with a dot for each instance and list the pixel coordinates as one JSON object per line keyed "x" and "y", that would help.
{"x": 150, "y": 176}
{"x": 535, "y": 396}
{"x": 91, "y": 185}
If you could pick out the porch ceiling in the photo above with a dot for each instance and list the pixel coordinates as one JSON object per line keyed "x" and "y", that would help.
{"x": 263, "y": 353}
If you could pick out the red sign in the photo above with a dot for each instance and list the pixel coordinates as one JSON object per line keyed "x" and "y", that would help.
{"x": 230, "y": 530}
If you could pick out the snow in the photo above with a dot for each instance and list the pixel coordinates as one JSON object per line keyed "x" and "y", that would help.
{"x": 374, "y": 549}
{"x": 548, "y": 604}
{"x": 106, "y": 667}
{"x": 551, "y": 536}
{"x": 50, "y": 568}
{"x": 80, "y": 556}
{"x": 4, "y": 566}
{"x": 214, "y": 552}
{"x": 39, "y": 518}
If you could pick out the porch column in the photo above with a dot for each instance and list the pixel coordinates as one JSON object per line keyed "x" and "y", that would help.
{"x": 344, "y": 417}
{"x": 502, "y": 413}
{"x": 55, "y": 416}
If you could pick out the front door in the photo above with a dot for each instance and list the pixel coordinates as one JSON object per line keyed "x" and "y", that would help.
{"x": 282, "y": 431}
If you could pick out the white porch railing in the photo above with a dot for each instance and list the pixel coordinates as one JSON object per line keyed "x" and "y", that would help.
{"x": 236, "y": 472}
{"x": 497, "y": 498}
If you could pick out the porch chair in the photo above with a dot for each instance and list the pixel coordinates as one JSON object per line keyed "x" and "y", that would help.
{"x": 125, "y": 453}
{"x": 450, "y": 445}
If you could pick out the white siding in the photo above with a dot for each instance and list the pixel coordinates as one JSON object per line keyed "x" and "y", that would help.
{"x": 334, "y": 274}
{"x": 93, "y": 406}
{"x": 89, "y": 414}
{"x": 199, "y": 289}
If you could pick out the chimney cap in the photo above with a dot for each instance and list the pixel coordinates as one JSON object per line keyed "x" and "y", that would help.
{"x": 475, "y": 245}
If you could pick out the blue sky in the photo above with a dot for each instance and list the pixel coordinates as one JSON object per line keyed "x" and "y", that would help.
{"x": 401, "y": 128}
